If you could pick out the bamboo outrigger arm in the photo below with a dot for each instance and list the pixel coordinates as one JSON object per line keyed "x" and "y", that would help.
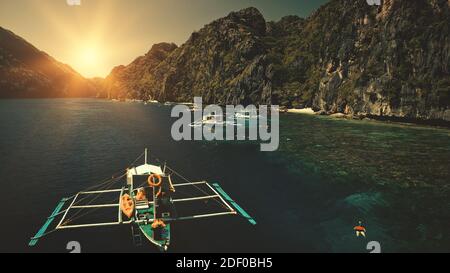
{"x": 42, "y": 231}
{"x": 240, "y": 210}
{"x": 58, "y": 211}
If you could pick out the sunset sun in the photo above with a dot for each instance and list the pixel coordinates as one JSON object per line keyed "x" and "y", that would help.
{"x": 88, "y": 60}
{"x": 89, "y": 56}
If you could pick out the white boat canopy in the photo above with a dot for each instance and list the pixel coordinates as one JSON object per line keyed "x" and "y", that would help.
{"x": 145, "y": 169}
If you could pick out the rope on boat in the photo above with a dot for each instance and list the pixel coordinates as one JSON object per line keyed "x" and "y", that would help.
{"x": 139, "y": 157}
{"x": 110, "y": 180}
{"x": 113, "y": 177}
{"x": 74, "y": 217}
{"x": 188, "y": 181}
{"x": 197, "y": 187}
{"x": 107, "y": 183}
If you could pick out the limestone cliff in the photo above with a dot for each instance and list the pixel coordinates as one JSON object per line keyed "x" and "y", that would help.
{"x": 390, "y": 60}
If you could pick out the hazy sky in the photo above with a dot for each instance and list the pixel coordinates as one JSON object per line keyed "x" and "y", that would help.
{"x": 100, "y": 34}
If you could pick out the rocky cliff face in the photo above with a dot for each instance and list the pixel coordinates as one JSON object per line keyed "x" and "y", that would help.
{"x": 224, "y": 62}
{"x": 26, "y": 72}
{"x": 137, "y": 79}
{"x": 347, "y": 57}
{"x": 391, "y": 60}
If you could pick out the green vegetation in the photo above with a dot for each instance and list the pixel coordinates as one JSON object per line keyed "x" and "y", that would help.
{"x": 343, "y": 56}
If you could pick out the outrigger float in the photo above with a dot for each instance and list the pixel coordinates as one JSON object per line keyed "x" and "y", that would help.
{"x": 147, "y": 202}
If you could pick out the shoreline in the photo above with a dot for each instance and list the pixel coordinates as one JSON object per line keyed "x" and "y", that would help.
{"x": 431, "y": 123}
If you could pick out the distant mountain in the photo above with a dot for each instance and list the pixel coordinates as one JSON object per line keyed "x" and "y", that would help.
{"x": 349, "y": 57}
{"x": 26, "y": 72}
{"x": 135, "y": 79}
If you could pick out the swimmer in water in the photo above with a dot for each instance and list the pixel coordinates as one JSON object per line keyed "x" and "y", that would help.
{"x": 360, "y": 230}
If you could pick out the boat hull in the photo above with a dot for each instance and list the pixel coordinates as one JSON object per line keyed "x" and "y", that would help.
{"x": 163, "y": 242}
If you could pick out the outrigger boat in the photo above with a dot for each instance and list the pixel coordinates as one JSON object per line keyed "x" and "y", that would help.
{"x": 213, "y": 119}
{"x": 246, "y": 115}
{"x": 147, "y": 202}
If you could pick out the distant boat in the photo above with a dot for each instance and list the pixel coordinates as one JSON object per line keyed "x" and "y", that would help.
{"x": 187, "y": 103}
{"x": 213, "y": 119}
{"x": 146, "y": 201}
{"x": 133, "y": 100}
{"x": 246, "y": 115}
{"x": 194, "y": 107}
{"x": 150, "y": 102}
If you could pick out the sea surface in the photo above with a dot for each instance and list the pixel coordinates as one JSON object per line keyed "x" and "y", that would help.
{"x": 327, "y": 175}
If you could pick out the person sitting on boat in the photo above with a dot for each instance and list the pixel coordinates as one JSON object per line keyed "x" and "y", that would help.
{"x": 141, "y": 195}
{"x": 158, "y": 227}
{"x": 166, "y": 187}
{"x": 158, "y": 223}
{"x": 360, "y": 230}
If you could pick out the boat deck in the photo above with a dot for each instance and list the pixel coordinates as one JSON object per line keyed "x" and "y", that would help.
{"x": 149, "y": 232}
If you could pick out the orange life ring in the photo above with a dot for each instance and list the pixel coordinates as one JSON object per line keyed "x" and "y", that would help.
{"x": 152, "y": 183}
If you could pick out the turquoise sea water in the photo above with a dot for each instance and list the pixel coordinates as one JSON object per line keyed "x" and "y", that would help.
{"x": 394, "y": 177}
